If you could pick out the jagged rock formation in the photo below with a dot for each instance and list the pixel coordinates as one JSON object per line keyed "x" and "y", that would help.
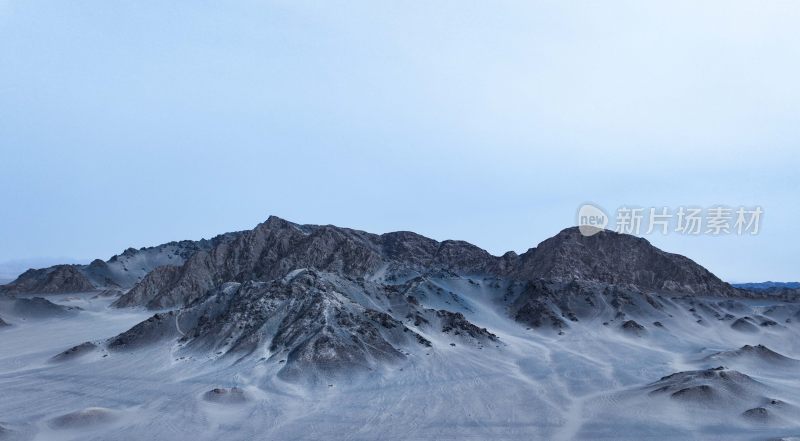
{"x": 554, "y": 304}
{"x": 3, "y": 323}
{"x": 277, "y": 247}
{"x": 315, "y": 324}
{"x": 633, "y": 328}
{"x": 457, "y": 324}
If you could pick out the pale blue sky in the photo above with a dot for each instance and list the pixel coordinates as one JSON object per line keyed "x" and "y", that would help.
{"x": 131, "y": 123}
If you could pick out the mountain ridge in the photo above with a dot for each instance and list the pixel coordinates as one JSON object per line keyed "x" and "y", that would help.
{"x": 120, "y": 272}
{"x": 188, "y": 269}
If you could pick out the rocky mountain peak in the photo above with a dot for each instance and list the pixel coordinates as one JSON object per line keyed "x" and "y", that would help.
{"x": 615, "y": 258}
{"x": 276, "y": 223}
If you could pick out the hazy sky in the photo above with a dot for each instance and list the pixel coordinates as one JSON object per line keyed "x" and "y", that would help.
{"x": 131, "y": 123}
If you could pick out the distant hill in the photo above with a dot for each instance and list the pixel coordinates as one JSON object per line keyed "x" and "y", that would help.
{"x": 11, "y": 269}
{"x": 763, "y": 286}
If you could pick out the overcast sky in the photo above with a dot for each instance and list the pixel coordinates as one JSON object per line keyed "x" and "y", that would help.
{"x": 132, "y": 123}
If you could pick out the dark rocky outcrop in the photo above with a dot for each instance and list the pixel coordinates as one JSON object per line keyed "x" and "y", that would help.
{"x": 717, "y": 387}
{"x": 75, "y": 352}
{"x": 745, "y": 324}
{"x": 81, "y": 419}
{"x": 757, "y": 414}
{"x": 701, "y": 393}
{"x": 632, "y": 327}
{"x": 223, "y": 395}
{"x": 556, "y": 304}
{"x": 456, "y": 324}
{"x": 156, "y": 328}
{"x": 754, "y": 354}
{"x": 150, "y": 287}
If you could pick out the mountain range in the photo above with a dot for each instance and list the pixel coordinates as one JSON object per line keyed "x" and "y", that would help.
{"x": 326, "y": 296}
{"x": 286, "y": 306}
{"x": 187, "y": 269}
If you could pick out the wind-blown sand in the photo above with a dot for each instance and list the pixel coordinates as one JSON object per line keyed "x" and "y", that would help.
{"x": 592, "y": 381}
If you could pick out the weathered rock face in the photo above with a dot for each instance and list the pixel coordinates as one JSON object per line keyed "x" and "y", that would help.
{"x": 455, "y": 323}
{"x": 554, "y": 304}
{"x": 150, "y": 287}
{"x": 277, "y": 247}
{"x": 617, "y": 259}
{"x": 156, "y": 328}
{"x": 313, "y": 322}
{"x": 632, "y": 327}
